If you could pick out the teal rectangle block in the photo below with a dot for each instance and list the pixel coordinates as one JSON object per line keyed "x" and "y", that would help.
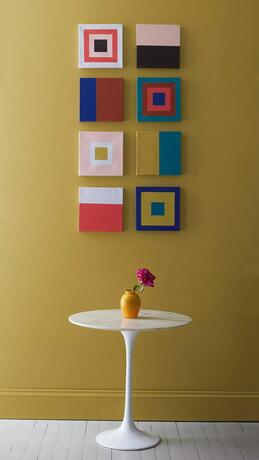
{"x": 169, "y": 153}
{"x": 157, "y": 209}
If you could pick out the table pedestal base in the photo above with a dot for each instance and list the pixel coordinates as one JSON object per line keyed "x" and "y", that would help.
{"x": 127, "y": 438}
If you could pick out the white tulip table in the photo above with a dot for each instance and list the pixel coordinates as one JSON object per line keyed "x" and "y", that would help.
{"x": 128, "y": 436}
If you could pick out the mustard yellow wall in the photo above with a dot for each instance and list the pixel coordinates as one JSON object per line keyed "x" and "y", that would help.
{"x": 209, "y": 270}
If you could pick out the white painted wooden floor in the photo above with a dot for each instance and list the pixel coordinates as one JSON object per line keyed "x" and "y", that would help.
{"x": 74, "y": 440}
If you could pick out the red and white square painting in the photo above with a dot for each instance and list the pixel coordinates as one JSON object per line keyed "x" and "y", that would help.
{"x": 100, "y": 209}
{"x": 100, "y": 45}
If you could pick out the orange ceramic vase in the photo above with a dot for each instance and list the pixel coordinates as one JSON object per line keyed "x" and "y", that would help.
{"x": 130, "y": 304}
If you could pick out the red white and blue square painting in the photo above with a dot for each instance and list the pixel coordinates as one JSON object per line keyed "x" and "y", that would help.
{"x": 100, "y": 45}
{"x": 157, "y": 208}
{"x": 158, "y": 99}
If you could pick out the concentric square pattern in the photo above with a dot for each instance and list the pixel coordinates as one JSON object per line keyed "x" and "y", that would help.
{"x": 100, "y": 153}
{"x": 100, "y": 45}
{"x": 159, "y": 99}
{"x": 158, "y": 208}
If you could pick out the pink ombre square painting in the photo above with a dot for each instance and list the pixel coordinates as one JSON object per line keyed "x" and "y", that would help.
{"x": 100, "y": 153}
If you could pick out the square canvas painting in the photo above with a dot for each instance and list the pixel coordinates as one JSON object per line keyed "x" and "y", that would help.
{"x": 100, "y": 209}
{"x": 100, "y": 45}
{"x": 158, "y": 45}
{"x": 100, "y": 153}
{"x": 157, "y": 208}
{"x": 101, "y": 99}
{"x": 158, "y": 153}
{"x": 158, "y": 99}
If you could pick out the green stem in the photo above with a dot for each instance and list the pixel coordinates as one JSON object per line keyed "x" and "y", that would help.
{"x": 138, "y": 288}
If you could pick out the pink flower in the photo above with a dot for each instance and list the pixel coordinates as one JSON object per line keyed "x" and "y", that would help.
{"x": 145, "y": 277}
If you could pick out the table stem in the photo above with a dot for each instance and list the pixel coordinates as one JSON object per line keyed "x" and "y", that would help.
{"x": 129, "y": 340}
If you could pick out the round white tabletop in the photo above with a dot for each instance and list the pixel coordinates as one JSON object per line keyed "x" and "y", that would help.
{"x": 112, "y": 320}
{"x": 128, "y": 436}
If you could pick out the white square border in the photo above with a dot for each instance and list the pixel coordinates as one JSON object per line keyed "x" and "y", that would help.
{"x": 116, "y": 138}
{"x": 93, "y": 161}
{"x": 95, "y": 65}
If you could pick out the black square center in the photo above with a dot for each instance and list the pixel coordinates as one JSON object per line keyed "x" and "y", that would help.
{"x": 100, "y": 46}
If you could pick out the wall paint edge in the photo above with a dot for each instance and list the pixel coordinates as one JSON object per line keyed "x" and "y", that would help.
{"x": 150, "y": 404}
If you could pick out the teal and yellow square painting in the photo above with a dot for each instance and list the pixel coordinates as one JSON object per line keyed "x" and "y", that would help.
{"x": 158, "y": 153}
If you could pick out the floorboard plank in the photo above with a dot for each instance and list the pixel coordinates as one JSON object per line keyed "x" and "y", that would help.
{"x": 174, "y": 441}
{"x": 63, "y": 441}
{"x": 162, "y": 449}
{"x": 22, "y": 439}
{"x": 90, "y": 446}
{"x": 188, "y": 443}
{"x": 3, "y": 425}
{"x": 232, "y": 449}
{"x": 201, "y": 441}
{"x": 215, "y": 441}
{"x": 8, "y": 438}
{"x": 242, "y": 441}
{"x": 247, "y": 441}
{"x": 251, "y": 428}
{"x": 36, "y": 440}
{"x": 50, "y": 440}
{"x": 76, "y": 447}
{"x": 254, "y": 425}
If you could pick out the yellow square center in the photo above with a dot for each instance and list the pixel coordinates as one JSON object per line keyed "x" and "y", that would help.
{"x": 101, "y": 153}
{"x": 168, "y": 198}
